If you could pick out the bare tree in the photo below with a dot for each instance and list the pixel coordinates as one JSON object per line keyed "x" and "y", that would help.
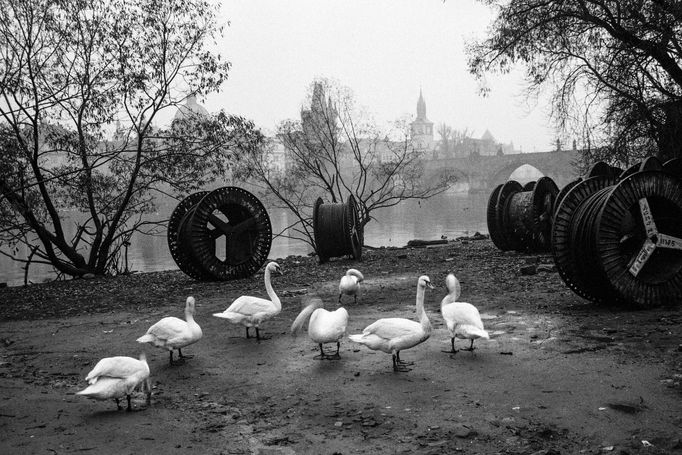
{"x": 614, "y": 68}
{"x": 82, "y": 83}
{"x": 334, "y": 151}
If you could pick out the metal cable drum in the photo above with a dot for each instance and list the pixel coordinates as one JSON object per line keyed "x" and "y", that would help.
{"x": 337, "y": 229}
{"x": 562, "y": 248}
{"x": 494, "y": 227}
{"x": 562, "y": 192}
{"x": 637, "y": 239}
{"x": 239, "y": 217}
{"x": 177, "y": 244}
{"x": 528, "y": 215}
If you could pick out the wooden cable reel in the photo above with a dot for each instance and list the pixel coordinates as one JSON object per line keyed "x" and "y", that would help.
{"x": 203, "y": 219}
{"x": 619, "y": 240}
{"x": 337, "y": 229}
{"x": 519, "y": 217}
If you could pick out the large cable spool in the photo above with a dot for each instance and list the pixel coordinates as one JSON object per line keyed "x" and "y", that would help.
{"x": 337, "y": 230}
{"x": 228, "y": 214}
{"x": 619, "y": 240}
{"x": 181, "y": 251}
{"x": 562, "y": 247}
{"x": 520, "y": 217}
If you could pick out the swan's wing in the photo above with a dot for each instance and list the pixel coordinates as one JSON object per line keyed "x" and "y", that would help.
{"x": 330, "y": 323}
{"x": 105, "y": 388}
{"x": 462, "y": 313}
{"x": 251, "y": 305}
{"x": 114, "y": 367}
{"x": 389, "y": 328}
{"x": 348, "y": 284}
{"x": 168, "y": 328}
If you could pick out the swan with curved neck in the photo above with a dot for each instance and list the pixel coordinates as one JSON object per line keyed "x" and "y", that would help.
{"x": 251, "y": 311}
{"x": 324, "y": 326}
{"x": 461, "y": 318}
{"x": 116, "y": 377}
{"x": 350, "y": 284}
{"x": 173, "y": 333}
{"x": 392, "y": 335}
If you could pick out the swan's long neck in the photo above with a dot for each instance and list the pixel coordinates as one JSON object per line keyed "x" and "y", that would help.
{"x": 271, "y": 291}
{"x": 421, "y": 314}
{"x": 189, "y": 314}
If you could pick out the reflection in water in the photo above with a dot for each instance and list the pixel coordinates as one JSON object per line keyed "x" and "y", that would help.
{"x": 452, "y": 215}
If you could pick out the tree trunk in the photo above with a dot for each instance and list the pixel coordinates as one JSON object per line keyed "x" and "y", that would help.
{"x": 670, "y": 132}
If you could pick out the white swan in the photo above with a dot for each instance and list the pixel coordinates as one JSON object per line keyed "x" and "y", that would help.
{"x": 461, "y": 318}
{"x": 116, "y": 377}
{"x": 174, "y": 333}
{"x": 252, "y": 311}
{"x": 391, "y": 335}
{"x": 350, "y": 284}
{"x": 324, "y": 326}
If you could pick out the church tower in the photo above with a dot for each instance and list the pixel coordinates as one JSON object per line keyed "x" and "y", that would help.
{"x": 421, "y": 128}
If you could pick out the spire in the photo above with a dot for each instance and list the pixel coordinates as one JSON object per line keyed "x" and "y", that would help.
{"x": 421, "y": 106}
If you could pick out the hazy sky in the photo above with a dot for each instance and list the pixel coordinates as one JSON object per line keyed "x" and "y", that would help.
{"x": 384, "y": 51}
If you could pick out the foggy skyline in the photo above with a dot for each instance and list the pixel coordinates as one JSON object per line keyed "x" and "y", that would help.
{"x": 384, "y": 51}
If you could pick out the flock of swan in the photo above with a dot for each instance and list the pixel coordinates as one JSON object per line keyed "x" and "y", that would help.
{"x": 117, "y": 377}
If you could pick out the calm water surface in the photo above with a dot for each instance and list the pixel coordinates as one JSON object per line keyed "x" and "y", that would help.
{"x": 453, "y": 215}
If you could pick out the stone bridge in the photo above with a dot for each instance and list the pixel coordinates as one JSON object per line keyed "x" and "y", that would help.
{"x": 484, "y": 173}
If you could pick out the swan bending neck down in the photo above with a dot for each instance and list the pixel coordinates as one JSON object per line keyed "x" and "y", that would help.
{"x": 350, "y": 283}
{"x": 252, "y": 311}
{"x": 461, "y": 318}
{"x": 324, "y": 326}
{"x": 116, "y": 377}
{"x": 391, "y": 335}
{"x": 174, "y": 333}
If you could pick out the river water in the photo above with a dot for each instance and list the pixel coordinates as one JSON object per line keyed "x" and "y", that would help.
{"x": 451, "y": 214}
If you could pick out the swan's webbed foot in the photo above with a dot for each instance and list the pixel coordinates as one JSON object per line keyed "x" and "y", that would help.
{"x": 452, "y": 349}
{"x": 470, "y": 348}
{"x": 325, "y": 356}
{"x": 400, "y": 366}
{"x": 186, "y": 356}
{"x": 402, "y": 362}
{"x": 180, "y": 361}
{"x": 118, "y": 404}
{"x": 262, "y": 337}
{"x": 129, "y": 408}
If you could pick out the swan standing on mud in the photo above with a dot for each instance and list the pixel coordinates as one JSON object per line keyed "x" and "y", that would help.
{"x": 461, "y": 318}
{"x": 252, "y": 311}
{"x": 392, "y": 335}
{"x": 117, "y": 377}
{"x": 174, "y": 333}
{"x": 350, "y": 284}
{"x": 324, "y": 326}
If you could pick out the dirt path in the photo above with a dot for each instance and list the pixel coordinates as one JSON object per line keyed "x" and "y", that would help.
{"x": 558, "y": 375}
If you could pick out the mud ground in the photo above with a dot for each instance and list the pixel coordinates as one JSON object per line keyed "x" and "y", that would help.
{"x": 559, "y": 375}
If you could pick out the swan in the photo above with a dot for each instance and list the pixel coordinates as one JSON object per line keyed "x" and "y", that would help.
{"x": 116, "y": 377}
{"x": 174, "y": 333}
{"x": 461, "y": 318}
{"x": 324, "y": 326}
{"x": 391, "y": 335}
{"x": 252, "y": 311}
{"x": 350, "y": 284}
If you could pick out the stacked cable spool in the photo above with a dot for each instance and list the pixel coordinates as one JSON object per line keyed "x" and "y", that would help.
{"x": 228, "y": 214}
{"x": 519, "y": 217}
{"x": 337, "y": 230}
{"x": 616, "y": 236}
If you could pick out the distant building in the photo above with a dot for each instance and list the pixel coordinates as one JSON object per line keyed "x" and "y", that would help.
{"x": 421, "y": 129}
{"x": 189, "y": 109}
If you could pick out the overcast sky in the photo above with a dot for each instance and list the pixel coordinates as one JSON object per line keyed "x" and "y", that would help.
{"x": 384, "y": 51}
